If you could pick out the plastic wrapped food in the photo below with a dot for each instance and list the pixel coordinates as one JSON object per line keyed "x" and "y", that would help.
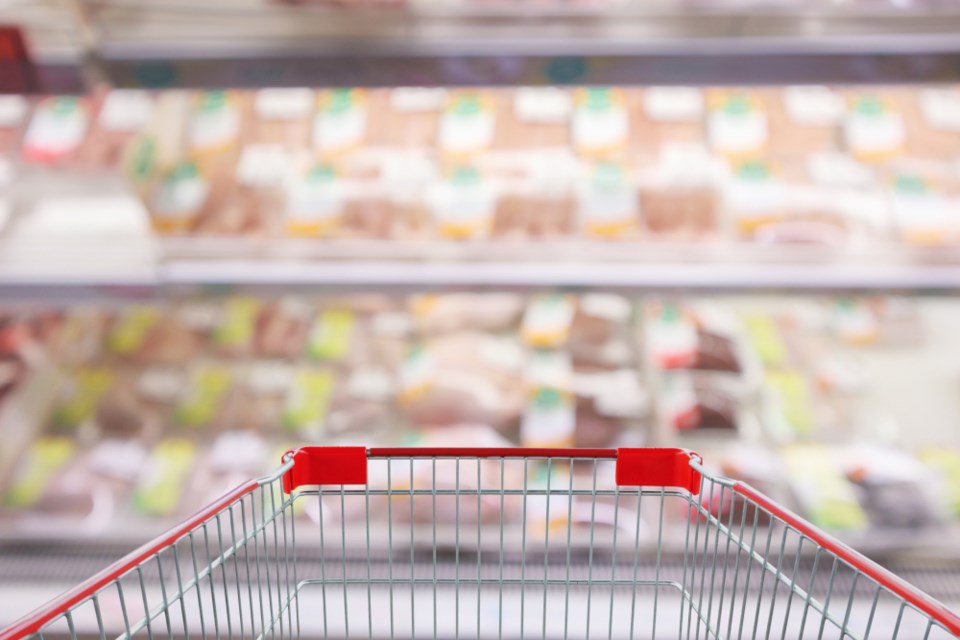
{"x": 442, "y": 313}
{"x": 14, "y": 115}
{"x": 340, "y": 122}
{"x": 804, "y": 120}
{"x": 680, "y": 196}
{"x": 607, "y": 203}
{"x": 57, "y": 128}
{"x": 281, "y": 328}
{"x": 406, "y": 117}
{"x": 874, "y": 127}
{"x": 531, "y": 118}
{"x": 281, "y": 117}
{"x": 600, "y": 126}
{"x": 737, "y": 123}
{"x": 122, "y": 115}
{"x": 213, "y": 128}
{"x": 667, "y": 115}
{"x": 467, "y": 124}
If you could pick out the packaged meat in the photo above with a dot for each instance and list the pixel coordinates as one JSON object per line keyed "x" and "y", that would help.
{"x": 340, "y": 122}
{"x": 547, "y": 320}
{"x": 532, "y": 118}
{"x": 607, "y": 203}
{"x": 46, "y": 457}
{"x": 874, "y": 127}
{"x": 282, "y": 118}
{"x": 163, "y": 481}
{"x": 822, "y": 489}
{"x": 892, "y": 486}
{"x": 690, "y": 402}
{"x": 804, "y": 120}
{"x": 933, "y": 126}
{"x": 680, "y": 195}
{"x": 264, "y": 386}
{"x": 281, "y": 328}
{"x": 467, "y": 124}
{"x": 755, "y": 197}
{"x": 178, "y": 197}
{"x": 924, "y": 198}
{"x": 214, "y": 125}
{"x": 316, "y": 200}
{"x": 57, "y": 129}
{"x": 307, "y": 402}
{"x": 442, "y": 313}
{"x": 600, "y": 126}
{"x": 463, "y": 204}
{"x": 667, "y": 115}
{"x": 537, "y": 194}
{"x": 129, "y": 330}
{"x": 123, "y": 114}
{"x": 199, "y": 406}
{"x": 737, "y": 123}
{"x": 945, "y": 465}
{"x": 600, "y": 332}
{"x": 14, "y": 115}
{"x": 80, "y": 396}
{"x": 549, "y": 420}
{"x": 406, "y": 117}
{"x": 235, "y": 332}
{"x": 331, "y": 334}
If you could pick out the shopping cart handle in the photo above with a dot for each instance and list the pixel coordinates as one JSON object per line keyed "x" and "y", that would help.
{"x": 648, "y": 467}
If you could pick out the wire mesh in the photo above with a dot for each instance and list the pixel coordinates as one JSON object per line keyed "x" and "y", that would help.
{"x": 494, "y": 547}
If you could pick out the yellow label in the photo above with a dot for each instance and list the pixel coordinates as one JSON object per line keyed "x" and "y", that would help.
{"x": 43, "y": 460}
{"x": 161, "y": 487}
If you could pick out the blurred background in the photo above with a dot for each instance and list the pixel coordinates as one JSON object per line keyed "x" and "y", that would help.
{"x": 229, "y": 228}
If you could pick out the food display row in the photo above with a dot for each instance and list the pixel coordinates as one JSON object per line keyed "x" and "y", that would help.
{"x": 804, "y": 164}
{"x": 153, "y": 410}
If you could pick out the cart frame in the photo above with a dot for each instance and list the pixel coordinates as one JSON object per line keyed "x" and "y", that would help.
{"x": 660, "y": 473}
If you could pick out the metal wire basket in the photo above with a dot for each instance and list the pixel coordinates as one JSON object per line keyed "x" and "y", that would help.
{"x": 480, "y": 543}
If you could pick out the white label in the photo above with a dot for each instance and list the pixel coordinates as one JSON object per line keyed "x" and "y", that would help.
{"x": 211, "y": 128}
{"x": 546, "y": 105}
{"x": 263, "y": 165}
{"x": 673, "y": 104}
{"x": 606, "y": 198}
{"x": 839, "y": 169}
{"x": 813, "y": 106}
{"x": 548, "y": 425}
{"x": 600, "y": 128}
{"x": 737, "y": 132}
{"x": 56, "y": 128}
{"x": 679, "y": 399}
{"x": 622, "y": 395}
{"x": 465, "y": 133}
{"x": 13, "y": 109}
{"x": 119, "y": 459}
{"x": 126, "y": 111}
{"x": 413, "y": 99}
{"x": 316, "y": 199}
{"x": 550, "y": 370}
{"x": 463, "y": 206}
{"x": 941, "y": 108}
{"x": 417, "y": 371}
{"x": 371, "y": 383}
{"x": 548, "y": 318}
{"x": 926, "y": 212}
{"x": 180, "y": 195}
{"x": 283, "y": 104}
{"x": 237, "y": 451}
{"x": 339, "y": 130}
{"x": 161, "y": 385}
{"x": 874, "y": 133}
{"x": 672, "y": 341}
{"x": 270, "y": 377}
{"x": 605, "y": 305}
{"x": 753, "y": 197}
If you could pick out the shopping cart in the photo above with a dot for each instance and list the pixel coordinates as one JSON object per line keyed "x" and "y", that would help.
{"x": 481, "y": 543}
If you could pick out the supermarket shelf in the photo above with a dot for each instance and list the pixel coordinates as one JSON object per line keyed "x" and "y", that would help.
{"x": 171, "y": 43}
{"x": 656, "y": 276}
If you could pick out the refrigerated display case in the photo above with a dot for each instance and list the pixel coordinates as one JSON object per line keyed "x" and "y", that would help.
{"x": 230, "y": 228}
